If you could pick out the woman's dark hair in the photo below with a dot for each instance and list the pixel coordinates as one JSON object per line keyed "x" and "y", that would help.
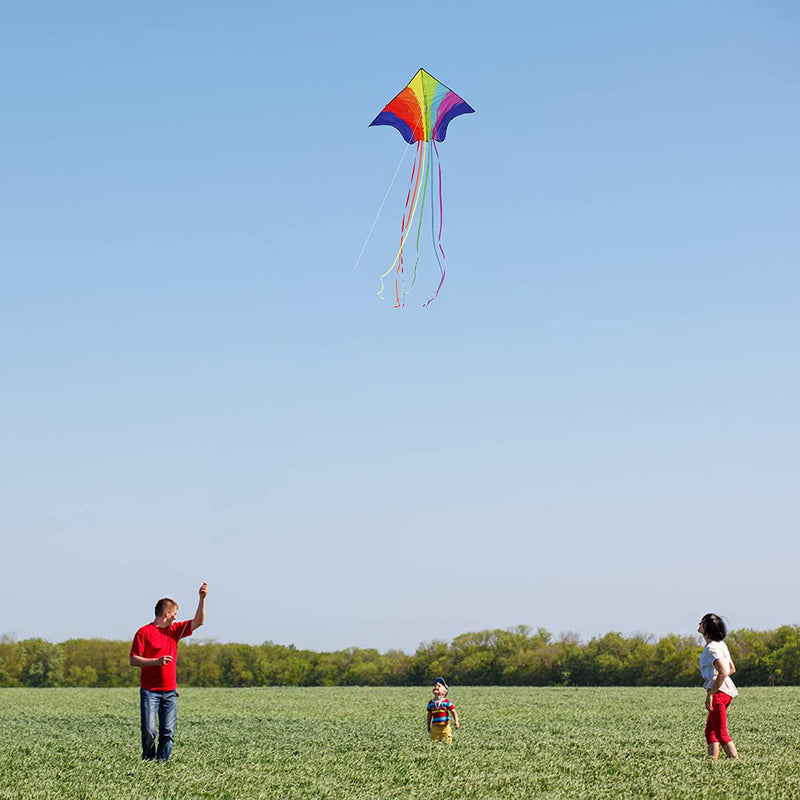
{"x": 714, "y": 627}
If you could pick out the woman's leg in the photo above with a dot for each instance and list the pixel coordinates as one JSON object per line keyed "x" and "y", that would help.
{"x": 722, "y": 701}
{"x": 712, "y": 725}
{"x": 717, "y": 727}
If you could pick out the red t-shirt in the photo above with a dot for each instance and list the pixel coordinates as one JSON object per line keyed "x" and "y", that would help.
{"x": 152, "y": 642}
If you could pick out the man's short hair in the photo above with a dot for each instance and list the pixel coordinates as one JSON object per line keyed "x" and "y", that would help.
{"x": 163, "y": 604}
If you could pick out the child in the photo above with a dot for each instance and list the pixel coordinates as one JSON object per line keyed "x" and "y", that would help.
{"x": 439, "y": 711}
{"x": 716, "y": 667}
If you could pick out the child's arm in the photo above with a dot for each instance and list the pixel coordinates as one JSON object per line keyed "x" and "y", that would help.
{"x": 430, "y": 717}
{"x": 455, "y": 718}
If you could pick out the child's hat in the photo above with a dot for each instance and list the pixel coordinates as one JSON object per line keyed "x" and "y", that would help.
{"x": 440, "y": 680}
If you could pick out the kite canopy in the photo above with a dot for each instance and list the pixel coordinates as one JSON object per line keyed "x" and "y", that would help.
{"x": 423, "y": 110}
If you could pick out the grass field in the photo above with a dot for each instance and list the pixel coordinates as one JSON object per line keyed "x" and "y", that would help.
{"x": 344, "y": 743}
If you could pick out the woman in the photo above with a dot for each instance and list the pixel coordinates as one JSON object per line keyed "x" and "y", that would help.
{"x": 716, "y": 667}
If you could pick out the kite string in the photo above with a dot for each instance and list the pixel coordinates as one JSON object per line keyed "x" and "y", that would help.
{"x": 380, "y": 208}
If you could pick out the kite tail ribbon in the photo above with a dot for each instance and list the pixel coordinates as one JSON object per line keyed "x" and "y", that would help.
{"x": 408, "y": 222}
{"x": 437, "y": 243}
{"x": 423, "y": 194}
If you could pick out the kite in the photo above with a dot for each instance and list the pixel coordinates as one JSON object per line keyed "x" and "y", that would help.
{"x": 421, "y": 112}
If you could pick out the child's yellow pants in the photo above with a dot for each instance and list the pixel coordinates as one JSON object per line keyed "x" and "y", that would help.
{"x": 441, "y": 733}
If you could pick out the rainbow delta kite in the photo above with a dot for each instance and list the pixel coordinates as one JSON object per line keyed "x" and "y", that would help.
{"x": 421, "y": 112}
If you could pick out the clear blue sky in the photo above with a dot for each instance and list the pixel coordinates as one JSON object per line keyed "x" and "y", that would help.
{"x": 594, "y": 428}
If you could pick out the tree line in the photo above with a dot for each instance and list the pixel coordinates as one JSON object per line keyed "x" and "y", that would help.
{"x": 511, "y": 657}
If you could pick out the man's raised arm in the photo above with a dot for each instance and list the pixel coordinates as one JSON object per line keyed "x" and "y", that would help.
{"x": 200, "y": 614}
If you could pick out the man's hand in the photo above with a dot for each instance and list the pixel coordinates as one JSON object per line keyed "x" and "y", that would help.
{"x": 203, "y": 589}
{"x": 163, "y": 660}
{"x": 709, "y": 701}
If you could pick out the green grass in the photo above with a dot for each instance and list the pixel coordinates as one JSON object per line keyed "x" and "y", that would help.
{"x": 344, "y": 743}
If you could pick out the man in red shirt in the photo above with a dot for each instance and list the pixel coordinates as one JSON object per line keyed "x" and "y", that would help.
{"x": 155, "y": 650}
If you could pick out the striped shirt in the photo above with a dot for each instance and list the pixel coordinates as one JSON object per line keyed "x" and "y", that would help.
{"x": 441, "y": 711}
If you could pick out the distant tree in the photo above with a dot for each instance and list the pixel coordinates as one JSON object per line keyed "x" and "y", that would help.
{"x": 783, "y": 661}
{"x": 106, "y": 659}
{"x": 673, "y": 662}
{"x": 750, "y": 652}
{"x": 397, "y": 668}
{"x": 571, "y": 661}
{"x": 430, "y": 660}
{"x": 200, "y": 664}
{"x": 10, "y": 662}
{"x": 42, "y": 663}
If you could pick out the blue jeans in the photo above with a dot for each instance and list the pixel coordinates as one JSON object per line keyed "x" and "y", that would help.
{"x": 159, "y": 715}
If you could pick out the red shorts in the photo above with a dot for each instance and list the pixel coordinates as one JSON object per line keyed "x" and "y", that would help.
{"x": 717, "y": 722}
